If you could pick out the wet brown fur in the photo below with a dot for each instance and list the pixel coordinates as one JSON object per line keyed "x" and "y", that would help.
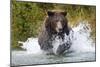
{"x": 46, "y": 36}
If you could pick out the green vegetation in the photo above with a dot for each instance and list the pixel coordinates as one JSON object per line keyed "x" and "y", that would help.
{"x": 28, "y": 17}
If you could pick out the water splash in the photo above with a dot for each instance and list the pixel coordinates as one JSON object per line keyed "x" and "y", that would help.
{"x": 81, "y": 40}
{"x": 31, "y": 45}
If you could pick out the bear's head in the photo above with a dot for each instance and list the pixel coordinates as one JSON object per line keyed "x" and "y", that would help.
{"x": 56, "y": 22}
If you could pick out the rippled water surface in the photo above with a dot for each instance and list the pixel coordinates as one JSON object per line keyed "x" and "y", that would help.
{"x": 21, "y": 58}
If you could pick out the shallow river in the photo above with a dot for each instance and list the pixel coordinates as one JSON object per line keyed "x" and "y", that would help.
{"x": 22, "y": 58}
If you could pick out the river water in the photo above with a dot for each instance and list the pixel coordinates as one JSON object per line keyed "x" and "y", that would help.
{"x": 82, "y": 49}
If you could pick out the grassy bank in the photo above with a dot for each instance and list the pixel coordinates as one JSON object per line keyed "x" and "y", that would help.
{"x": 28, "y": 17}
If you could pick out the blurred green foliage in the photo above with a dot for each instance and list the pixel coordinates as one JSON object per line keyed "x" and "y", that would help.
{"x": 28, "y": 17}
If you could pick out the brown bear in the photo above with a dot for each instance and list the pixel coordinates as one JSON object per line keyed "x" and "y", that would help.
{"x": 55, "y": 27}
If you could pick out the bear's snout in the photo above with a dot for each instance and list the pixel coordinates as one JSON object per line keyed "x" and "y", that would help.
{"x": 59, "y": 27}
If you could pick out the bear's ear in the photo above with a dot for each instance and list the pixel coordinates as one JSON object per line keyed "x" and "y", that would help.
{"x": 64, "y": 13}
{"x": 50, "y": 13}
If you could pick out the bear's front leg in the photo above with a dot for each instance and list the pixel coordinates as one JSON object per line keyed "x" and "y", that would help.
{"x": 61, "y": 49}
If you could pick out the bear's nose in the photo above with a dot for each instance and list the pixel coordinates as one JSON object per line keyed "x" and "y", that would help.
{"x": 60, "y": 30}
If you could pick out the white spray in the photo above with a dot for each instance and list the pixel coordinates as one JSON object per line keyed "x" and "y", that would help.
{"x": 81, "y": 41}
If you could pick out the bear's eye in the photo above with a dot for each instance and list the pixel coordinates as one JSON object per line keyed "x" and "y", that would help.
{"x": 57, "y": 21}
{"x": 62, "y": 21}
